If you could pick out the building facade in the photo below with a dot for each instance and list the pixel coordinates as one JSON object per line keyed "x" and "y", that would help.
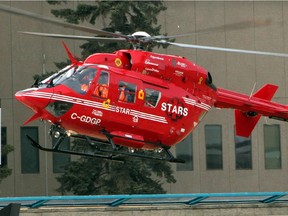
{"x": 217, "y": 160}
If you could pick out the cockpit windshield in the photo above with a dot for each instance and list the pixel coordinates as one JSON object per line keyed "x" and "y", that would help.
{"x": 59, "y": 77}
{"x": 76, "y": 78}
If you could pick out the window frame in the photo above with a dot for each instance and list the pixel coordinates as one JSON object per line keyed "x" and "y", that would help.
{"x": 61, "y": 160}
{"x": 29, "y": 154}
{"x": 4, "y": 159}
{"x": 209, "y": 159}
{"x": 274, "y": 163}
{"x": 184, "y": 150}
{"x": 239, "y": 142}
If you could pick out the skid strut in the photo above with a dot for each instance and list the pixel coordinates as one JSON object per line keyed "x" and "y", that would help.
{"x": 113, "y": 152}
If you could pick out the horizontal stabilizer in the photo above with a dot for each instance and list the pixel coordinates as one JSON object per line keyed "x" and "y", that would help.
{"x": 246, "y": 121}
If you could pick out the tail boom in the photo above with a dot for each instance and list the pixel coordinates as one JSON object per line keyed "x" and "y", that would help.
{"x": 249, "y": 109}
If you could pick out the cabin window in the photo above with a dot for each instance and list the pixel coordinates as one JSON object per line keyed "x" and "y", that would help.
{"x": 102, "y": 87}
{"x": 152, "y": 97}
{"x": 126, "y": 92}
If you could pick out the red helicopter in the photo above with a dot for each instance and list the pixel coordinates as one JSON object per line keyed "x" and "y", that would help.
{"x": 133, "y": 100}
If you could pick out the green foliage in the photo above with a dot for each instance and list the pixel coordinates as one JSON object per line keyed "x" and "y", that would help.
{"x": 96, "y": 176}
{"x": 93, "y": 176}
{"x": 4, "y": 170}
{"x": 125, "y": 17}
{"x": 56, "y": 2}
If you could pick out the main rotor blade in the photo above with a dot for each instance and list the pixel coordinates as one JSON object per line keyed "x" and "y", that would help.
{"x": 76, "y": 37}
{"x": 226, "y": 27}
{"x": 224, "y": 49}
{"x": 57, "y": 22}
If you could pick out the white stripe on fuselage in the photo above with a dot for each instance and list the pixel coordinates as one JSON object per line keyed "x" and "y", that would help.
{"x": 111, "y": 108}
{"x": 95, "y": 104}
{"x": 194, "y": 103}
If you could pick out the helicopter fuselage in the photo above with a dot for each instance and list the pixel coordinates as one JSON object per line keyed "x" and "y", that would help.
{"x": 149, "y": 98}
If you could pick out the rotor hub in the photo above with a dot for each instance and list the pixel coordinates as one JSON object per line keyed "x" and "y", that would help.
{"x": 140, "y": 39}
{"x": 141, "y": 34}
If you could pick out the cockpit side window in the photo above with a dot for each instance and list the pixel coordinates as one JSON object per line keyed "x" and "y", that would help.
{"x": 80, "y": 81}
{"x": 152, "y": 97}
{"x": 102, "y": 87}
{"x": 85, "y": 78}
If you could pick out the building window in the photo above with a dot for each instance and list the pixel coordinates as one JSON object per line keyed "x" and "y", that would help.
{"x": 213, "y": 141}
{"x": 29, "y": 154}
{"x": 184, "y": 151}
{"x": 272, "y": 147}
{"x": 61, "y": 160}
{"x": 243, "y": 152}
{"x": 3, "y": 142}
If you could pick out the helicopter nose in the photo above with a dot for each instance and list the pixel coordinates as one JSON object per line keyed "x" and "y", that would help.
{"x": 34, "y": 99}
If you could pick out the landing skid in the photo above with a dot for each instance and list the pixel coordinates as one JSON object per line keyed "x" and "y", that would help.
{"x": 115, "y": 153}
{"x": 58, "y": 150}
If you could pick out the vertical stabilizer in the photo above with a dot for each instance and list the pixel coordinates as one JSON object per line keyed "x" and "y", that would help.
{"x": 246, "y": 121}
{"x": 73, "y": 60}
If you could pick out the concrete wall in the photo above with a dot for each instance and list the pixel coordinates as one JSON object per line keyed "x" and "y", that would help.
{"x": 162, "y": 211}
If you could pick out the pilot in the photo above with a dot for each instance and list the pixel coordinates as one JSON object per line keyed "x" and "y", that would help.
{"x": 84, "y": 87}
{"x": 102, "y": 90}
{"x": 86, "y": 80}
